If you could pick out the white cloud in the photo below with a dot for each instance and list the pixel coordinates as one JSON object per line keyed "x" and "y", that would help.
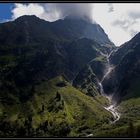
{"x": 64, "y": 9}
{"x": 120, "y": 21}
{"x": 121, "y": 24}
{"x": 52, "y": 11}
{"x": 24, "y": 9}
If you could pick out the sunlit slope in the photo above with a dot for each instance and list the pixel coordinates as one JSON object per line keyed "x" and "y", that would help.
{"x": 58, "y": 103}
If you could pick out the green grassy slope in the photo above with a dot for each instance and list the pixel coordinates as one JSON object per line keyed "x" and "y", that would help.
{"x": 66, "y": 110}
{"x": 129, "y": 123}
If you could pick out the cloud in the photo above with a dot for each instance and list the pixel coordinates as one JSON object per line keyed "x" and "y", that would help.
{"x": 120, "y": 21}
{"x": 53, "y": 11}
{"x": 75, "y": 10}
{"x": 24, "y": 9}
{"x": 111, "y": 8}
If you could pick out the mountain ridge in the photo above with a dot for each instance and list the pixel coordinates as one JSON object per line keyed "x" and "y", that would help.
{"x": 58, "y": 29}
{"x": 50, "y": 74}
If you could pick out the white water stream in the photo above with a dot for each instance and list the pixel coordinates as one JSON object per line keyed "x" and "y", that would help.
{"x": 112, "y": 107}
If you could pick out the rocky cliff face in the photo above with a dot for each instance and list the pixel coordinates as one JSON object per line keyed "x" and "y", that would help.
{"x": 127, "y": 68}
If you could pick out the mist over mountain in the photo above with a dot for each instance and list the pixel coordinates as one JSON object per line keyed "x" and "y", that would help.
{"x": 59, "y": 79}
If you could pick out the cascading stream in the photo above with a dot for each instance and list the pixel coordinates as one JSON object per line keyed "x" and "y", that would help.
{"x": 112, "y": 107}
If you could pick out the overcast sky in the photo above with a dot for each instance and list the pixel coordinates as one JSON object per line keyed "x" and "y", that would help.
{"x": 120, "y": 21}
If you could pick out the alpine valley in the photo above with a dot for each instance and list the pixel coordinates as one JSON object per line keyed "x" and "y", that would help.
{"x": 67, "y": 79}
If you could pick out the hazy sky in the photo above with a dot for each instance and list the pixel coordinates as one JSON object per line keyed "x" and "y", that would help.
{"x": 120, "y": 21}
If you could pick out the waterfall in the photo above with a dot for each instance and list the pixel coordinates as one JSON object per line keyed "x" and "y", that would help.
{"x": 112, "y": 107}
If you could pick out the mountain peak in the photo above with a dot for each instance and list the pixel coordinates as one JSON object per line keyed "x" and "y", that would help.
{"x": 27, "y": 17}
